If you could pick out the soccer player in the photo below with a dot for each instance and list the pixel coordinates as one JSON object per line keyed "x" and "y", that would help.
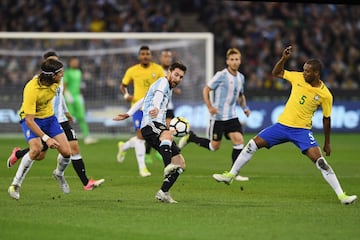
{"x": 227, "y": 87}
{"x": 165, "y": 60}
{"x": 64, "y": 117}
{"x": 154, "y": 129}
{"x": 39, "y": 124}
{"x": 141, "y": 75}
{"x": 294, "y": 124}
{"x": 74, "y": 98}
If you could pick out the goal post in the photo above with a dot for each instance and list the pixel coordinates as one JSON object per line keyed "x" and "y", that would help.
{"x": 104, "y": 59}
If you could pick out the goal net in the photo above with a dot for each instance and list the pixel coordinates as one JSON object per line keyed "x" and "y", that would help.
{"x": 104, "y": 58}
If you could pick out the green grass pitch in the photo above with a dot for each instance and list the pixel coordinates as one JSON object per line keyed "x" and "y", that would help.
{"x": 286, "y": 197}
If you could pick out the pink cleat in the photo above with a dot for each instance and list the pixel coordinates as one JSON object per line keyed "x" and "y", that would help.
{"x": 93, "y": 184}
{"x": 13, "y": 159}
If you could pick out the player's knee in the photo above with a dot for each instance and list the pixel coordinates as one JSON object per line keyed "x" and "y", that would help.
{"x": 166, "y": 135}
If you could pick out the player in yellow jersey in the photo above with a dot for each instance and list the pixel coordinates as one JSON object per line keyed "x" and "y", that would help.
{"x": 39, "y": 123}
{"x": 141, "y": 75}
{"x": 294, "y": 125}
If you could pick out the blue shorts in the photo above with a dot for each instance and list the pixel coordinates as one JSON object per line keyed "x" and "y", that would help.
{"x": 49, "y": 125}
{"x": 137, "y": 117}
{"x": 278, "y": 133}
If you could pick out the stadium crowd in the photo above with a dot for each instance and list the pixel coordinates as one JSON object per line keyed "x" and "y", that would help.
{"x": 259, "y": 29}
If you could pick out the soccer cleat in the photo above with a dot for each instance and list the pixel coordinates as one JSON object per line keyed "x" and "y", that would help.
{"x": 14, "y": 192}
{"x": 148, "y": 159}
{"x": 13, "y": 159}
{"x": 184, "y": 140}
{"x": 164, "y": 197}
{"x": 93, "y": 184}
{"x": 145, "y": 172}
{"x": 241, "y": 178}
{"x": 64, "y": 186}
{"x": 345, "y": 199}
{"x": 226, "y": 177}
{"x": 171, "y": 168}
{"x": 121, "y": 153}
{"x": 90, "y": 140}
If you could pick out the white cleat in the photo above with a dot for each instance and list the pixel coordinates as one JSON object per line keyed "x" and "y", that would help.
{"x": 183, "y": 141}
{"x": 241, "y": 178}
{"x": 145, "y": 172}
{"x": 164, "y": 197}
{"x": 14, "y": 192}
{"x": 64, "y": 186}
{"x": 120, "y": 157}
{"x": 225, "y": 177}
{"x": 345, "y": 199}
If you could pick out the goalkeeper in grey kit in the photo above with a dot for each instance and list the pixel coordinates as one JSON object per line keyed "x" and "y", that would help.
{"x": 155, "y": 131}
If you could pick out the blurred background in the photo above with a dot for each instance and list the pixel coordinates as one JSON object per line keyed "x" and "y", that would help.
{"x": 259, "y": 29}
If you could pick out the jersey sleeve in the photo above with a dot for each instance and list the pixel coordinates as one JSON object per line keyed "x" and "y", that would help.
{"x": 29, "y": 103}
{"x": 127, "y": 77}
{"x": 214, "y": 81}
{"x": 326, "y": 105}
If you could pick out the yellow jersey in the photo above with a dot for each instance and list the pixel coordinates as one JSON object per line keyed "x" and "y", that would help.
{"x": 37, "y": 99}
{"x": 304, "y": 100}
{"x": 142, "y": 78}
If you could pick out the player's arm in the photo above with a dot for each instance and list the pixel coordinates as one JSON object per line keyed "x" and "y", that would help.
{"x": 242, "y": 102}
{"x": 327, "y": 128}
{"x": 123, "y": 89}
{"x": 130, "y": 112}
{"x": 206, "y": 97}
{"x": 127, "y": 79}
{"x": 158, "y": 98}
{"x": 30, "y": 122}
{"x": 278, "y": 70}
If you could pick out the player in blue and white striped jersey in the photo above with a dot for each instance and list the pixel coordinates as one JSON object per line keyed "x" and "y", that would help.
{"x": 227, "y": 87}
{"x": 155, "y": 131}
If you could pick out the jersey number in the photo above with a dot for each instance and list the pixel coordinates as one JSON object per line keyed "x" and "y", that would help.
{"x": 302, "y": 100}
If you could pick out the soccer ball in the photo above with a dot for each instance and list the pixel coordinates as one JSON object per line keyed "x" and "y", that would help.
{"x": 180, "y": 125}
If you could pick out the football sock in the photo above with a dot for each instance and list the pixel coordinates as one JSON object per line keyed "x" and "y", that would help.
{"x": 129, "y": 144}
{"x": 170, "y": 180}
{"x": 21, "y": 153}
{"x": 245, "y": 155}
{"x": 148, "y": 147}
{"x": 63, "y": 162}
{"x": 140, "y": 153}
{"x": 202, "y": 142}
{"x": 165, "y": 151}
{"x": 329, "y": 175}
{"x": 23, "y": 169}
{"x": 79, "y": 167}
{"x": 236, "y": 151}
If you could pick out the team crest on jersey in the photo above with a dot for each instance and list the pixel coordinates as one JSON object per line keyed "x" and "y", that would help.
{"x": 153, "y": 75}
{"x": 161, "y": 127}
{"x": 316, "y": 98}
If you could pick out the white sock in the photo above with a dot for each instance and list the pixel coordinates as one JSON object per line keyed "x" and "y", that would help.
{"x": 245, "y": 155}
{"x": 62, "y": 163}
{"x": 23, "y": 169}
{"x": 129, "y": 144}
{"x": 329, "y": 175}
{"x": 140, "y": 153}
